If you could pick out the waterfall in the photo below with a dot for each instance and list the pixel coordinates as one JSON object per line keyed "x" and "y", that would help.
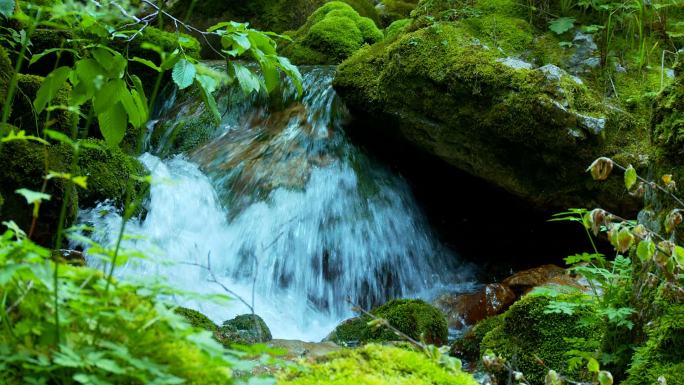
{"x": 287, "y": 212}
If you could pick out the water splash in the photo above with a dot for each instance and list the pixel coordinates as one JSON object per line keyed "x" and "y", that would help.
{"x": 289, "y": 214}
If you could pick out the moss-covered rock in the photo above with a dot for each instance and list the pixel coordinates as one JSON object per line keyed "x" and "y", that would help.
{"x": 109, "y": 171}
{"x": 24, "y": 114}
{"x": 447, "y": 89}
{"x": 393, "y": 10}
{"x": 663, "y": 353}
{"x": 397, "y": 28}
{"x": 528, "y": 333}
{"x": 375, "y": 365}
{"x": 24, "y": 165}
{"x": 467, "y": 346}
{"x": 412, "y": 317}
{"x": 246, "y": 329}
{"x": 6, "y": 71}
{"x": 668, "y": 116}
{"x": 331, "y": 34}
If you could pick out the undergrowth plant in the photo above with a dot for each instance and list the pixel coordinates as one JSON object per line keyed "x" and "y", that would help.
{"x": 67, "y": 324}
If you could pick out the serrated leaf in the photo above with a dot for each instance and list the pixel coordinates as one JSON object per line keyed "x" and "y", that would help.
{"x": 33, "y": 196}
{"x": 561, "y": 25}
{"x": 630, "y": 177}
{"x": 183, "y": 73}
{"x": 7, "y": 8}
{"x": 113, "y": 124}
{"x": 248, "y": 81}
{"x": 108, "y": 95}
{"x": 50, "y": 86}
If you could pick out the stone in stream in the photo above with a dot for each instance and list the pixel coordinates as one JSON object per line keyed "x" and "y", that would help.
{"x": 523, "y": 281}
{"x": 244, "y": 329}
{"x": 463, "y": 310}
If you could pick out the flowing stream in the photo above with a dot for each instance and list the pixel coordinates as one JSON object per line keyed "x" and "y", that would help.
{"x": 285, "y": 211}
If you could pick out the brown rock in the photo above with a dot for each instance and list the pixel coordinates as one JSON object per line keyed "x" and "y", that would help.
{"x": 467, "y": 309}
{"x": 522, "y": 281}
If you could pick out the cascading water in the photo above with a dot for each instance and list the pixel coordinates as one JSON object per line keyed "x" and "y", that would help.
{"x": 287, "y": 212}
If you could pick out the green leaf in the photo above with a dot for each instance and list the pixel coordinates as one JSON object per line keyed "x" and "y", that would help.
{"x": 7, "y": 8}
{"x": 210, "y": 102}
{"x": 562, "y": 25}
{"x": 108, "y": 95}
{"x": 113, "y": 62}
{"x": 593, "y": 365}
{"x": 21, "y": 136}
{"x": 113, "y": 124}
{"x": 33, "y": 196}
{"x": 249, "y": 82}
{"x": 147, "y": 63}
{"x": 183, "y": 73}
{"x": 39, "y": 56}
{"x": 630, "y": 177}
{"x": 645, "y": 250}
{"x": 51, "y": 85}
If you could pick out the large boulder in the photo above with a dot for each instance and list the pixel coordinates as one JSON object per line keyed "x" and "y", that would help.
{"x": 244, "y": 329}
{"x": 464, "y": 310}
{"x": 463, "y": 94}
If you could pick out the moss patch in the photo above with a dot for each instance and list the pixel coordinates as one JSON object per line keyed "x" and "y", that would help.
{"x": 331, "y": 34}
{"x": 24, "y": 115}
{"x": 412, "y": 317}
{"x": 527, "y": 331}
{"x": 468, "y": 345}
{"x": 375, "y": 365}
{"x": 246, "y": 329}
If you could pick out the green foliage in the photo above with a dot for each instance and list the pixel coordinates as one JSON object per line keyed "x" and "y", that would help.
{"x": 375, "y": 365}
{"x": 331, "y": 34}
{"x": 32, "y": 120}
{"x": 394, "y": 10}
{"x": 413, "y": 317}
{"x": 196, "y": 319}
{"x": 467, "y": 346}
{"x": 108, "y": 335}
{"x": 529, "y": 332}
{"x": 395, "y": 29}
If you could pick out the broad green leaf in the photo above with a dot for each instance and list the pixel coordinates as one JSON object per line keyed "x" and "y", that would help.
{"x": 113, "y": 124}
{"x": 108, "y": 95}
{"x": 292, "y": 72}
{"x": 630, "y": 177}
{"x": 39, "y": 56}
{"x": 593, "y": 365}
{"x": 33, "y": 196}
{"x": 562, "y": 25}
{"x": 148, "y": 63}
{"x": 678, "y": 255}
{"x": 645, "y": 250}
{"x": 249, "y": 82}
{"x": 51, "y": 85}
{"x": 137, "y": 83}
{"x": 183, "y": 73}
{"x": 113, "y": 62}
{"x": 209, "y": 100}
{"x": 135, "y": 116}
{"x": 7, "y": 8}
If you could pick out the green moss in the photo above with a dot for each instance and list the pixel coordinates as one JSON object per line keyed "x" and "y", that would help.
{"x": 511, "y": 34}
{"x": 663, "y": 352}
{"x": 331, "y": 34}
{"x": 393, "y": 10}
{"x": 528, "y": 332}
{"x": 6, "y": 71}
{"x": 246, "y": 329}
{"x": 395, "y": 29}
{"x": 668, "y": 116}
{"x": 24, "y": 115}
{"x": 375, "y": 365}
{"x": 412, "y": 317}
{"x": 468, "y": 345}
{"x": 109, "y": 171}
{"x": 197, "y": 319}
{"x": 24, "y": 165}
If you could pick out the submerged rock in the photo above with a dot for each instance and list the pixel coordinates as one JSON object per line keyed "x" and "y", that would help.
{"x": 467, "y": 309}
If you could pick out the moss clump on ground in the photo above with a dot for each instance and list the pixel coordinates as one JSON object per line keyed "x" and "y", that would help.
{"x": 109, "y": 171}
{"x": 331, "y": 34}
{"x": 24, "y": 165}
{"x": 6, "y": 71}
{"x": 197, "y": 319}
{"x": 395, "y": 29}
{"x": 412, "y": 317}
{"x": 246, "y": 329}
{"x": 24, "y": 114}
{"x": 528, "y": 332}
{"x": 375, "y": 365}
{"x": 663, "y": 353}
{"x": 468, "y": 345}
{"x": 393, "y": 10}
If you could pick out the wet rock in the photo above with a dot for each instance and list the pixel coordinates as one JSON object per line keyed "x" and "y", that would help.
{"x": 300, "y": 349}
{"x": 467, "y": 309}
{"x": 244, "y": 329}
{"x": 72, "y": 257}
{"x": 523, "y": 281}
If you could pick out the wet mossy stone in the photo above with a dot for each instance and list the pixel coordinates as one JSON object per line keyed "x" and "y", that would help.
{"x": 444, "y": 90}
{"x": 246, "y": 329}
{"x": 110, "y": 174}
{"x": 393, "y": 10}
{"x": 467, "y": 346}
{"x": 24, "y": 165}
{"x": 528, "y": 333}
{"x": 6, "y": 71}
{"x": 374, "y": 365}
{"x": 413, "y": 317}
{"x": 24, "y": 114}
{"x": 668, "y": 116}
{"x": 331, "y": 34}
